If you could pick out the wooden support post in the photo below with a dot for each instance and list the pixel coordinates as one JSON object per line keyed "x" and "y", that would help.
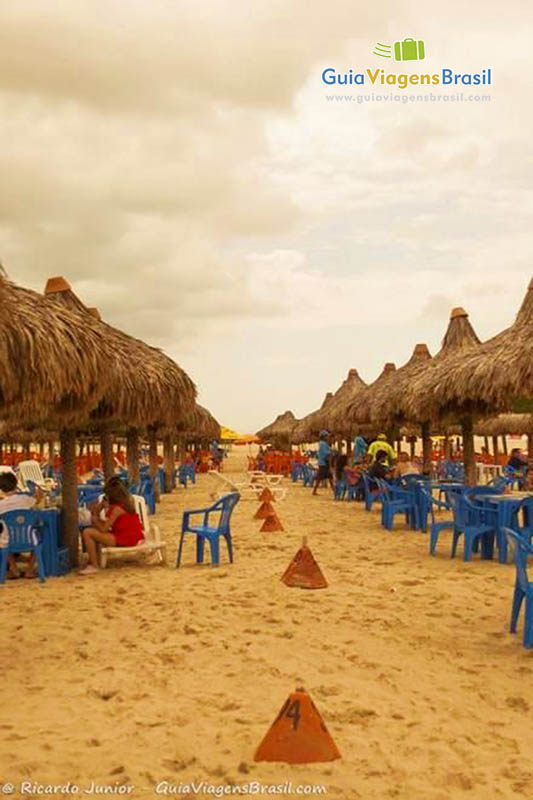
{"x": 495, "y": 449}
{"x": 154, "y": 463}
{"x": 426, "y": 449}
{"x": 469, "y": 454}
{"x": 70, "y": 494}
{"x": 132, "y": 455}
{"x": 168, "y": 462}
{"x": 106, "y": 451}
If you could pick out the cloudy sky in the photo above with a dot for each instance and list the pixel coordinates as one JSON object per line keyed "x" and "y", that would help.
{"x": 180, "y": 164}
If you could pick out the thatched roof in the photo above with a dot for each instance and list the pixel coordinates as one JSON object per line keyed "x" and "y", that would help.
{"x": 385, "y": 404}
{"x": 333, "y": 417}
{"x": 53, "y": 365}
{"x": 358, "y": 410}
{"x": 147, "y": 387}
{"x": 199, "y": 425}
{"x": 505, "y": 424}
{"x": 484, "y": 379}
{"x": 281, "y": 428}
{"x": 309, "y": 427}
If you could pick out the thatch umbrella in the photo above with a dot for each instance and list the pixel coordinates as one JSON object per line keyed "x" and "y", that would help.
{"x": 506, "y": 425}
{"x": 54, "y": 368}
{"x": 308, "y": 428}
{"x": 281, "y": 430}
{"x": 358, "y": 411}
{"x": 333, "y": 418}
{"x": 149, "y": 389}
{"x": 384, "y": 404}
{"x": 52, "y": 363}
{"x": 429, "y": 396}
{"x": 199, "y": 426}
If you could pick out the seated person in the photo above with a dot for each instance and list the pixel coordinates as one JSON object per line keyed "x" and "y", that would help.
{"x": 340, "y": 465}
{"x": 353, "y": 475}
{"x": 122, "y": 527}
{"x": 379, "y": 468}
{"x": 405, "y": 466}
{"x": 516, "y": 460}
{"x": 13, "y": 500}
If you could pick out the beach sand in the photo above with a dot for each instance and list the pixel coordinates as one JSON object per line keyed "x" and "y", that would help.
{"x": 145, "y": 674}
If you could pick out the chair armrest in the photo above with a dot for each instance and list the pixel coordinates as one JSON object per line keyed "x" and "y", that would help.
{"x": 195, "y": 512}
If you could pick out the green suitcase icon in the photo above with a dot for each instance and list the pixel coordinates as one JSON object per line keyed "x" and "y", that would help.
{"x": 409, "y": 50}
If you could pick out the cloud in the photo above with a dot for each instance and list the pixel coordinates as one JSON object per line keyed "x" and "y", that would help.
{"x": 179, "y": 164}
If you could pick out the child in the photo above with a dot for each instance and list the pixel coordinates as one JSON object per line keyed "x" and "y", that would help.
{"x": 12, "y": 500}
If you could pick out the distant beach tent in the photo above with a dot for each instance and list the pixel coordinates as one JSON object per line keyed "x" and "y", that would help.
{"x": 229, "y": 435}
{"x": 247, "y": 438}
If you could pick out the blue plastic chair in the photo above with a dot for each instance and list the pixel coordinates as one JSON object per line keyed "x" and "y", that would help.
{"x": 187, "y": 473}
{"x": 436, "y": 527}
{"x": 341, "y": 487}
{"x": 397, "y": 501}
{"x": 209, "y": 530}
{"x": 146, "y": 490}
{"x": 525, "y": 510}
{"x": 23, "y": 529}
{"x": 309, "y": 474}
{"x": 371, "y": 495}
{"x": 88, "y": 494}
{"x": 296, "y": 471}
{"x": 476, "y": 523}
{"x": 523, "y": 589}
{"x": 516, "y": 476}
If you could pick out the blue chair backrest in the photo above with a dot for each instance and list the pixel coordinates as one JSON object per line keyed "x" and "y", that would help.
{"x": 21, "y": 526}
{"x": 522, "y": 551}
{"x": 226, "y": 505}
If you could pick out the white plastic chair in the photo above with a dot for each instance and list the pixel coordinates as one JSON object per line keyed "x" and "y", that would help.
{"x": 247, "y": 489}
{"x": 31, "y": 471}
{"x": 152, "y": 537}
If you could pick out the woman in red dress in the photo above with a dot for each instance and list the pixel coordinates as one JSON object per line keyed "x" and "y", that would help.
{"x": 121, "y": 528}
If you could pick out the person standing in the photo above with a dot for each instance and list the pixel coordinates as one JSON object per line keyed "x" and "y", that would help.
{"x": 324, "y": 455}
{"x": 359, "y": 449}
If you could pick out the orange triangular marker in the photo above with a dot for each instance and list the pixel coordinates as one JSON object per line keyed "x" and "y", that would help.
{"x": 266, "y": 495}
{"x": 303, "y": 571}
{"x": 272, "y": 523}
{"x": 298, "y": 735}
{"x": 265, "y": 510}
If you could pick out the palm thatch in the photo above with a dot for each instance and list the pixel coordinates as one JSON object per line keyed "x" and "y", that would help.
{"x": 309, "y": 427}
{"x": 505, "y": 425}
{"x": 385, "y": 404}
{"x": 147, "y": 387}
{"x": 333, "y": 418}
{"x": 54, "y": 366}
{"x": 280, "y": 430}
{"x": 358, "y": 411}
{"x": 484, "y": 379}
{"x": 199, "y": 425}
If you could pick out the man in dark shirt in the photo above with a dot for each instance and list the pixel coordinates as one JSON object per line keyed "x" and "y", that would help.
{"x": 516, "y": 459}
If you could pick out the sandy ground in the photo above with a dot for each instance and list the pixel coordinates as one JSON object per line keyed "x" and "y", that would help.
{"x": 145, "y": 674}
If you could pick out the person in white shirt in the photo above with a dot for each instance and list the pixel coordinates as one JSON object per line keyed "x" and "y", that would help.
{"x": 11, "y": 500}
